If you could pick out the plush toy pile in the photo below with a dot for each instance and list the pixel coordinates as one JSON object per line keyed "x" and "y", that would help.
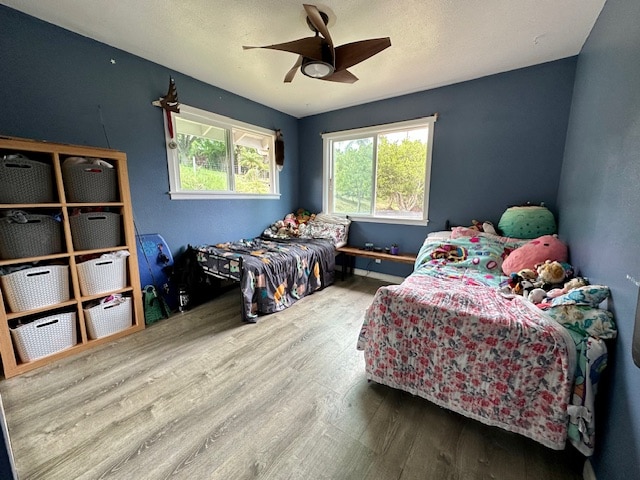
{"x": 537, "y": 269}
{"x": 548, "y": 280}
{"x": 293, "y": 225}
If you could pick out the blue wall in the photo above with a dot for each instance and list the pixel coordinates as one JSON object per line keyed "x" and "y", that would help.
{"x": 499, "y": 141}
{"x": 59, "y": 86}
{"x": 599, "y": 198}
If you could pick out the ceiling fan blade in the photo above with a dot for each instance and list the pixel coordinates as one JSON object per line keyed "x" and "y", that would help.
{"x": 341, "y": 76}
{"x": 350, "y": 54}
{"x": 292, "y": 73}
{"x": 316, "y": 19}
{"x": 310, "y": 47}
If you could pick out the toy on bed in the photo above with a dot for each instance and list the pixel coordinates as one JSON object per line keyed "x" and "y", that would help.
{"x": 303, "y": 224}
{"x": 449, "y": 333}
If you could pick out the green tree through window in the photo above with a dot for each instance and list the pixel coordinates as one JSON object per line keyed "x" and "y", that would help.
{"x": 380, "y": 172}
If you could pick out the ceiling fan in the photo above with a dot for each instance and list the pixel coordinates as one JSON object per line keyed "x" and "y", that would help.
{"x": 317, "y": 56}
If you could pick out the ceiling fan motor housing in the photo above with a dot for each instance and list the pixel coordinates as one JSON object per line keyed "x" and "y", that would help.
{"x": 320, "y": 68}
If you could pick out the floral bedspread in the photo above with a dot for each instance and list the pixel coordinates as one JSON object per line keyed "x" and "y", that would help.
{"x": 449, "y": 335}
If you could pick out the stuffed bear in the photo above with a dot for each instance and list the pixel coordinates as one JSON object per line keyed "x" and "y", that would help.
{"x": 550, "y": 275}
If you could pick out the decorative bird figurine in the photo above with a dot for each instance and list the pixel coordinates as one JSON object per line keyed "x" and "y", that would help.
{"x": 169, "y": 103}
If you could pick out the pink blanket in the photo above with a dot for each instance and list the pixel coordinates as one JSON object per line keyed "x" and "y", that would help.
{"x": 471, "y": 350}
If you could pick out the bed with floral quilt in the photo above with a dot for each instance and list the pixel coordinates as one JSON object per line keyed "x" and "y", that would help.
{"x": 450, "y": 334}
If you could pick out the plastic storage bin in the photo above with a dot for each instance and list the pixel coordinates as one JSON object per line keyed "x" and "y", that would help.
{"x": 41, "y": 235}
{"x": 25, "y": 181}
{"x": 108, "y": 318}
{"x": 90, "y": 183}
{"x": 45, "y": 336}
{"x": 36, "y": 287}
{"x": 102, "y": 275}
{"x": 94, "y": 230}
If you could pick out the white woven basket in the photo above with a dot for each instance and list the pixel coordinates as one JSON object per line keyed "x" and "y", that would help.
{"x": 45, "y": 336}
{"x": 102, "y": 275}
{"x": 36, "y": 287}
{"x": 107, "y": 319}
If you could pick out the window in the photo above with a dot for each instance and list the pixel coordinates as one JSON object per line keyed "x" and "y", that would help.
{"x": 212, "y": 156}
{"x": 380, "y": 173}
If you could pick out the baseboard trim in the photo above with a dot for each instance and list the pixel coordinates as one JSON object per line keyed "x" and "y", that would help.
{"x": 587, "y": 471}
{"x": 392, "y": 279}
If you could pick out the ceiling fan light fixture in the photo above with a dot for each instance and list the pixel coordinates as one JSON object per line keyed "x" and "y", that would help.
{"x": 316, "y": 68}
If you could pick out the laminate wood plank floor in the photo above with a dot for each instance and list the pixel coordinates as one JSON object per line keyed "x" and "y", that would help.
{"x": 202, "y": 395}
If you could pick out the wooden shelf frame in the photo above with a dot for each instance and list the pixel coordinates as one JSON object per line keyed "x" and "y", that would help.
{"x": 349, "y": 255}
{"x": 56, "y": 154}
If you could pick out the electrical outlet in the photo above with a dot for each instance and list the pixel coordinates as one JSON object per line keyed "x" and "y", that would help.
{"x": 378, "y": 260}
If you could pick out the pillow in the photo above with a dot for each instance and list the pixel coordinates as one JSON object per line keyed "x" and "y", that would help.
{"x": 335, "y": 229}
{"x": 458, "y": 232}
{"x": 529, "y": 221}
{"x": 440, "y": 235}
{"x": 590, "y": 295}
{"x": 477, "y": 253}
{"x": 547, "y": 247}
{"x": 585, "y": 320}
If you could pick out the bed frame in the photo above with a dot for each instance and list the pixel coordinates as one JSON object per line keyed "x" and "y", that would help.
{"x": 224, "y": 268}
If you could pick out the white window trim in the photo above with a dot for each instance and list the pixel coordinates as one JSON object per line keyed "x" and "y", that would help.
{"x": 327, "y": 173}
{"x": 223, "y": 122}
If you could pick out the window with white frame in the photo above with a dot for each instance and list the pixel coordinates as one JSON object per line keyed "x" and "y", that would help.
{"x": 380, "y": 173}
{"x": 212, "y": 156}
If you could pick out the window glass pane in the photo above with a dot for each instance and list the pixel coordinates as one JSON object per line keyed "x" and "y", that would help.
{"x": 353, "y": 176}
{"x": 380, "y": 173}
{"x": 252, "y": 162}
{"x": 202, "y": 155}
{"x": 401, "y": 173}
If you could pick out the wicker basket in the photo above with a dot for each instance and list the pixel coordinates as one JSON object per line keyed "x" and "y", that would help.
{"x": 102, "y": 275}
{"x": 107, "y": 319}
{"x": 41, "y": 235}
{"x": 45, "y": 336}
{"x": 88, "y": 183}
{"x": 25, "y": 181}
{"x": 94, "y": 230}
{"x": 36, "y": 287}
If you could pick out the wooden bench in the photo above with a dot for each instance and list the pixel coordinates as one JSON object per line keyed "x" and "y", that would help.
{"x": 351, "y": 253}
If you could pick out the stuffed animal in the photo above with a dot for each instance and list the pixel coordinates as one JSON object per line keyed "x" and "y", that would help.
{"x": 520, "y": 285}
{"x": 487, "y": 227}
{"x": 302, "y": 216}
{"x": 576, "y": 282}
{"x": 550, "y": 274}
{"x": 279, "y": 228}
{"x": 537, "y": 295}
{"x": 290, "y": 219}
{"x": 528, "y": 274}
{"x": 534, "y": 252}
{"x": 475, "y": 225}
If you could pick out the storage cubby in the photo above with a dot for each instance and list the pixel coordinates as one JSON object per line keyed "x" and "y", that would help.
{"x": 67, "y": 242}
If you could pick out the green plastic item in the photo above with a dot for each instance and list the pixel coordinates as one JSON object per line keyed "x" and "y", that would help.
{"x": 155, "y": 307}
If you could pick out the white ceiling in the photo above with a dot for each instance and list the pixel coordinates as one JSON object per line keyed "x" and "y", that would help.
{"x": 434, "y": 43}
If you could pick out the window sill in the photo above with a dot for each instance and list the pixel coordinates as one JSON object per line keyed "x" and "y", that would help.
{"x": 393, "y": 221}
{"x": 222, "y": 196}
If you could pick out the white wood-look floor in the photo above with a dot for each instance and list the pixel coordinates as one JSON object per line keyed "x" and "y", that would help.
{"x": 204, "y": 396}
